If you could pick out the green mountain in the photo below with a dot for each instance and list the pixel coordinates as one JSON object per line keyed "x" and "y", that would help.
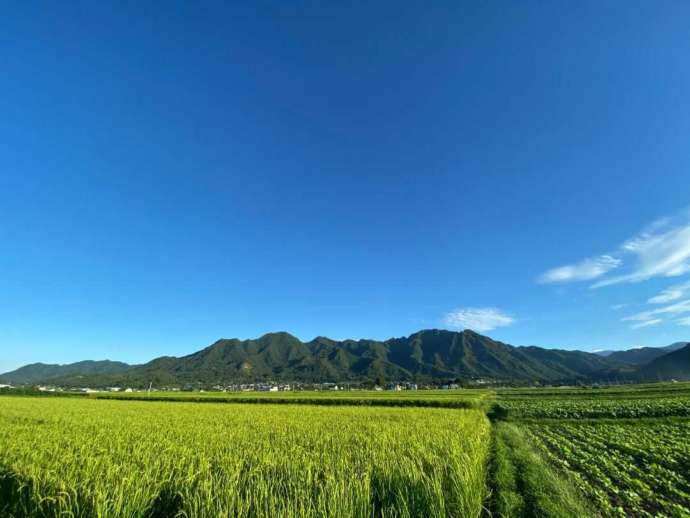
{"x": 643, "y": 355}
{"x": 42, "y": 372}
{"x": 429, "y": 355}
{"x": 674, "y": 365}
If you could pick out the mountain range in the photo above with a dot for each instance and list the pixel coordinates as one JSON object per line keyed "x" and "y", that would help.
{"x": 641, "y": 355}
{"x": 426, "y": 356}
{"x": 37, "y": 373}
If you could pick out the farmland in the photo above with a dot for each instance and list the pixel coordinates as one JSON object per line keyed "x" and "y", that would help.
{"x": 411, "y": 398}
{"x": 593, "y": 408}
{"x": 617, "y": 451}
{"x": 84, "y": 457}
{"x": 635, "y": 401}
{"x": 623, "y": 450}
{"x": 629, "y": 468}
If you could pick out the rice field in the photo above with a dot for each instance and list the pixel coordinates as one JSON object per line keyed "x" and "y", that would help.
{"x": 84, "y": 457}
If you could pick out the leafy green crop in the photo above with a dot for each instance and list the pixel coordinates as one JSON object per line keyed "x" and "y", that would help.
{"x": 596, "y": 408}
{"x": 628, "y": 468}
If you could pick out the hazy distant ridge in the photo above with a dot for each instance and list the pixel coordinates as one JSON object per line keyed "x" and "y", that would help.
{"x": 642, "y": 355}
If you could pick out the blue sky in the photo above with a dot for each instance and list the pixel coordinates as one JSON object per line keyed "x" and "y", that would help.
{"x": 174, "y": 174}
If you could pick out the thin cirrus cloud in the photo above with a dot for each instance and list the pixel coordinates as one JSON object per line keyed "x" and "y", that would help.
{"x": 477, "y": 319}
{"x": 647, "y": 323}
{"x": 670, "y": 294}
{"x": 655, "y": 316}
{"x": 683, "y": 321}
{"x": 583, "y": 271}
{"x": 660, "y": 250}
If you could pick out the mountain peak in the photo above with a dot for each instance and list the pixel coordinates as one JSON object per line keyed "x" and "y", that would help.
{"x": 438, "y": 332}
{"x": 280, "y": 336}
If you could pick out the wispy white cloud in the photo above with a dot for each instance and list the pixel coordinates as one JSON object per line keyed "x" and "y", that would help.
{"x": 683, "y": 321}
{"x": 583, "y": 271}
{"x": 617, "y": 307}
{"x": 670, "y": 294}
{"x": 477, "y": 319}
{"x": 674, "y": 309}
{"x": 653, "y": 315}
{"x": 647, "y": 323}
{"x": 660, "y": 250}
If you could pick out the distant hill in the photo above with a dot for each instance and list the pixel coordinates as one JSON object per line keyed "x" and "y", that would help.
{"x": 429, "y": 355}
{"x": 674, "y": 365}
{"x": 41, "y": 372}
{"x": 643, "y": 355}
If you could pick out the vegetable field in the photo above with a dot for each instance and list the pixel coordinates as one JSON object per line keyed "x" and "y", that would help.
{"x": 630, "y": 468}
{"x": 633, "y": 401}
{"x": 621, "y": 451}
{"x": 596, "y": 408}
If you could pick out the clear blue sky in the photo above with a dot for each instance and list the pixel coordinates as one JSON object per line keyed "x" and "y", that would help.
{"x": 176, "y": 174}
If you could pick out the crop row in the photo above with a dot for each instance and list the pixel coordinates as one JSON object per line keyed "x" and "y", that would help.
{"x": 317, "y": 394}
{"x": 86, "y": 457}
{"x": 594, "y": 408}
{"x": 660, "y": 390}
{"x": 626, "y": 468}
{"x": 307, "y": 400}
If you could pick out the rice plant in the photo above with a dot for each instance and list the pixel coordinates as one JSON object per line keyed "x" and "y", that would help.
{"x": 84, "y": 457}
